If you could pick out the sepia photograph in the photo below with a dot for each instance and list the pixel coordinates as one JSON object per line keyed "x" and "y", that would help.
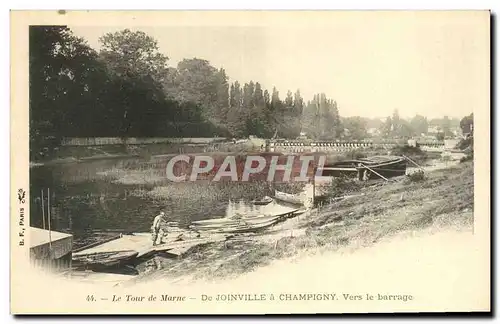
{"x": 250, "y": 162}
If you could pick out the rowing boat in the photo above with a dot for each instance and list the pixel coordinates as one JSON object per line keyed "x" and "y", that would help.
{"x": 243, "y": 227}
{"x": 289, "y": 198}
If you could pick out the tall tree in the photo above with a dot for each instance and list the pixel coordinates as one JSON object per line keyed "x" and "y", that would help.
{"x": 446, "y": 126}
{"x": 467, "y": 124}
{"x": 197, "y": 82}
{"x": 298, "y": 108}
{"x": 136, "y": 66}
{"x": 338, "y": 127}
{"x": 276, "y": 107}
{"x": 387, "y": 127}
{"x": 258, "y": 122}
{"x": 235, "y": 124}
{"x": 396, "y": 123}
{"x": 222, "y": 85}
{"x": 356, "y": 128}
{"x": 133, "y": 54}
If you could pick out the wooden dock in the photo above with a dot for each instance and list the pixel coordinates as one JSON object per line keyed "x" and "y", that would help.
{"x": 138, "y": 246}
{"x": 141, "y": 243}
{"x": 100, "y": 278}
{"x": 50, "y": 248}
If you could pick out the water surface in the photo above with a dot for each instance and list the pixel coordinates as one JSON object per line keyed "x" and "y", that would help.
{"x": 95, "y": 198}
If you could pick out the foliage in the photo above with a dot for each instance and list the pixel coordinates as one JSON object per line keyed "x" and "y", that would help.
{"x": 321, "y": 119}
{"x": 465, "y": 143}
{"x": 64, "y": 75}
{"x": 126, "y": 89}
{"x": 440, "y": 136}
{"x": 416, "y": 176}
{"x": 419, "y": 124}
{"x": 356, "y": 128}
{"x": 340, "y": 186}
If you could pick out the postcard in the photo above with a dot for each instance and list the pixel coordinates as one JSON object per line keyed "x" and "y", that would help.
{"x": 250, "y": 162}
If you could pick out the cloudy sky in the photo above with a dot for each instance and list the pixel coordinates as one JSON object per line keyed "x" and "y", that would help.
{"x": 426, "y": 63}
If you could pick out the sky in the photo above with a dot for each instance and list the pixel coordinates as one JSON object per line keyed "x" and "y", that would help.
{"x": 433, "y": 64}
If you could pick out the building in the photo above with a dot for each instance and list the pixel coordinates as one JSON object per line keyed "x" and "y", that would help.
{"x": 50, "y": 249}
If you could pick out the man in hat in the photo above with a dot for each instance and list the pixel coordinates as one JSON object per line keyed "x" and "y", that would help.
{"x": 155, "y": 229}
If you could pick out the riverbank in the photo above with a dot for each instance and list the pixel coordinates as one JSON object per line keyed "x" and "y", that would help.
{"x": 443, "y": 199}
{"x": 82, "y": 153}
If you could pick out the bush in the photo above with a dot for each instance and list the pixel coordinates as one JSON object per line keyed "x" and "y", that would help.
{"x": 341, "y": 186}
{"x": 468, "y": 157}
{"x": 407, "y": 150}
{"x": 414, "y": 153}
{"x": 467, "y": 145}
{"x": 355, "y": 155}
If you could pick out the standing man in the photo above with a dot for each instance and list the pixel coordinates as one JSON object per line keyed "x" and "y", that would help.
{"x": 155, "y": 229}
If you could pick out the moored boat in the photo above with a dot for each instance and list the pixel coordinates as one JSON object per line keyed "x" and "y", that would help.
{"x": 234, "y": 221}
{"x": 264, "y": 201}
{"x": 241, "y": 225}
{"x": 289, "y": 198}
{"x": 386, "y": 166}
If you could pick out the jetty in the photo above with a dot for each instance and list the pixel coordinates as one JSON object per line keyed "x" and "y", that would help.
{"x": 127, "y": 249}
{"x": 50, "y": 249}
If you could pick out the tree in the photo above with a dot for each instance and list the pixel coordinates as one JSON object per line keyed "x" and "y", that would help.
{"x": 235, "y": 124}
{"x": 467, "y": 124}
{"x": 387, "y": 127}
{"x": 131, "y": 54}
{"x": 298, "y": 108}
{"x": 419, "y": 124}
{"x": 446, "y": 126}
{"x": 222, "y": 86}
{"x": 275, "y": 109}
{"x": 197, "y": 82}
{"x": 138, "y": 69}
{"x": 406, "y": 130}
{"x": 338, "y": 127}
{"x": 65, "y": 80}
{"x": 396, "y": 123}
{"x": 258, "y": 122}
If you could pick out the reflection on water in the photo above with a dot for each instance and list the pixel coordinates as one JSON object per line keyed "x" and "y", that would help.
{"x": 97, "y": 198}
{"x": 251, "y": 210}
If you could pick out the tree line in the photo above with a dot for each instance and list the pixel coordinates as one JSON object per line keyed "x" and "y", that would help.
{"x": 127, "y": 89}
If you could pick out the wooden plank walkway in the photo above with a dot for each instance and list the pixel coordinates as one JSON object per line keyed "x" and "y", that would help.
{"x": 108, "y": 279}
{"x": 141, "y": 243}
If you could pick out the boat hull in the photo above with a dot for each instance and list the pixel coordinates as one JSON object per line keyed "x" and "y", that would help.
{"x": 243, "y": 225}
{"x": 105, "y": 259}
{"x": 262, "y": 202}
{"x": 289, "y": 198}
